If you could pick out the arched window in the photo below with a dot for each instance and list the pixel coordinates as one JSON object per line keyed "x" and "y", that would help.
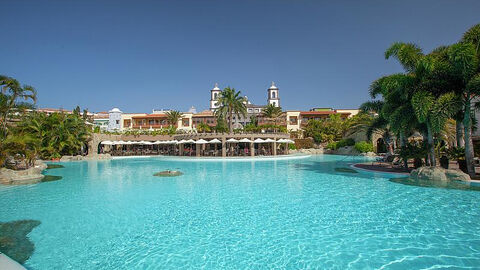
{"x": 215, "y": 96}
{"x": 273, "y": 94}
{"x": 274, "y": 104}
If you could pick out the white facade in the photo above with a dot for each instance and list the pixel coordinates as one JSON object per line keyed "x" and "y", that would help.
{"x": 214, "y": 95}
{"x": 273, "y": 95}
{"x": 114, "y": 119}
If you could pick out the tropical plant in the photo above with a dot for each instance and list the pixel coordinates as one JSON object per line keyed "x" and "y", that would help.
{"x": 221, "y": 125}
{"x": 434, "y": 112}
{"x": 363, "y": 147}
{"x": 464, "y": 57}
{"x": 11, "y": 95}
{"x": 230, "y": 103}
{"x": 173, "y": 117}
{"x": 272, "y": 113}
{"x": 326, "y": 130}
{"x": 57, "y": 133}
{"x": 202, "y": 127}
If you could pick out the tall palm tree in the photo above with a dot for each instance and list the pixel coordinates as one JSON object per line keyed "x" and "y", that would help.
{"x": 173, "y": 117}
{"x": 434, "y": 112}
{"x": 464, "y": 57}
{"x": 272, "y": 112}
{"x": 230, "y": 103}
{"x": 10, "y": 94}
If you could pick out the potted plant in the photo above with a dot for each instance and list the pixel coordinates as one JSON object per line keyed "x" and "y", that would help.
{"x": 458, "y": 154}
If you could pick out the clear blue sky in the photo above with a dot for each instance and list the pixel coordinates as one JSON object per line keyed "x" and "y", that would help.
{"x": 140, "y": 55}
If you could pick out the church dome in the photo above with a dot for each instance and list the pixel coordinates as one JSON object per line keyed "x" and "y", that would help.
{"x": 115, "y": 110}
{"x": 273, "y": 87}
{"x": 216, "y": 87}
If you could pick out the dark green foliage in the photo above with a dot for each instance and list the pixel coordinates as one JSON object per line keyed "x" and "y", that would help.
{"x": 341, "y": 143}
{"x": 444, "y": 162}
{"x": 345, "y": 142}
{"x": 456, "y": 153}
{"x": 14, "y": 241}
{"x": 230, "y": 103}
{"x": 363, "y": 147}
{"x": 58, "y": 134}
{"x": 413, "y": 150}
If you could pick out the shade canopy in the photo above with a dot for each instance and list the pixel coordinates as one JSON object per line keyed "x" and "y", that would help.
{"x": 201, "y": 141}
{"x": 245, "y": 140}
{"x": 258, "y": 140}
{"x": 147, "y": 143}
{"x": 232, "y": 140}
{"x": 190, "y": 141}
{"x": 215, "y": 141}
{"x": 107, "y": 143}
{"x": 282, "y": 141}
{"x": 181, "y": 141}
{"x": 269, "y": 140}
{"x": 290, "y": 141}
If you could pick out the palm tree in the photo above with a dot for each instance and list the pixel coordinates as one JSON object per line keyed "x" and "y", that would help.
{"x": 11, "y": 92}
{"x": 230, "y": 103}
{"x": 434, "y": 112}
{"x": 173, "y": 117}
{"x": 272, "y": 112}
{"x": 464, "y": 57}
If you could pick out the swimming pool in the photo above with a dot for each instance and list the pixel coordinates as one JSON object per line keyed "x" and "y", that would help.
{"x": 297, "y": 213}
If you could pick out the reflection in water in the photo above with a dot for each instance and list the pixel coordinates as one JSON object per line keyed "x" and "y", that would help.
{"x": 345, "y": 170}
{"x": 436, "y": 184}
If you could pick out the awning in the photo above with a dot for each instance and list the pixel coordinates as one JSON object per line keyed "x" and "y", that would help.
{"x": 232, "y": 140}
{"x": 215, "y": 141}
{"x": 181, "y": 141}
{"x": 245, "y": 140}
{"x": 258, "y": 140}
{"x": 107, "y": 143}
{"x": 201, "y": 141}
{"x": 190, "y": 141}
{"x": 269, "y": 140}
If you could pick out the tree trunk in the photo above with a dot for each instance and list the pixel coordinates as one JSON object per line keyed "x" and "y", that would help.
{"x": 403, "y": 142}
{"x": 467, "y": 124}
{"x": 459, "y": 134}
{"x": 230, "y": 123}
{"x": 431, "y": 147}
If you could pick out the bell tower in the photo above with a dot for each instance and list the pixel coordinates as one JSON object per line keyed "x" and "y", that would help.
{"x": 273, "y": 95}
{"x": 214, "y": 95}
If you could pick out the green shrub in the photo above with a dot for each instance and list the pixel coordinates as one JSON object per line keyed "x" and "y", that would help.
{"x": 363, "y": 147}
{"x": 291, "y": 146}
{"x": 332, "y": 146}
{"x": 345, "y": 142}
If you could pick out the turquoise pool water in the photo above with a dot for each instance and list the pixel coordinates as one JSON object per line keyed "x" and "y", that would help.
{"x": 242, "y": 215}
